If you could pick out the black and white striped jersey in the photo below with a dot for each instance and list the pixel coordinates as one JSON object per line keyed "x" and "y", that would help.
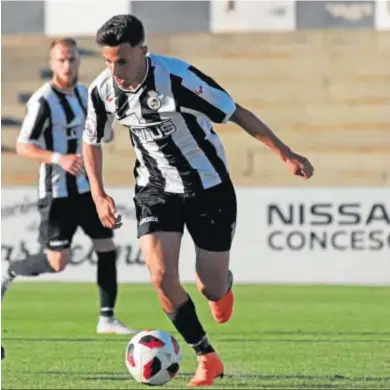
{"x": 169, "y": 117}
{"x": 55, "y": 121}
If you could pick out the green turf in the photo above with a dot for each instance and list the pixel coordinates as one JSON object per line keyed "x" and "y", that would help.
{"x": 280, "y": 337}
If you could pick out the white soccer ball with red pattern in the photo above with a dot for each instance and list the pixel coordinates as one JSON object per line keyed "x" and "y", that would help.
{"x": 153, "y": 357}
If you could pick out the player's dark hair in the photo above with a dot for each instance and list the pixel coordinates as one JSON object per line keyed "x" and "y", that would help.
{"x": 121, "y": 29}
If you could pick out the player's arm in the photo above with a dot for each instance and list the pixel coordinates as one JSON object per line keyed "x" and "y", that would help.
{"x": 31, "y": 142}
{"x": 98, "y": 127}
{"x": 201, "y": 93}
{"x": 259, "y": 130}
{"x": 93, "y": 160}
{"x": 254, "y": 126}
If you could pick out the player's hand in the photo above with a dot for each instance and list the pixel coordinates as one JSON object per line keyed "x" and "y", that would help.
{"x": 72, "y": 163}
{"x": 106, "y": 209}
{"x": 299, "y": 166}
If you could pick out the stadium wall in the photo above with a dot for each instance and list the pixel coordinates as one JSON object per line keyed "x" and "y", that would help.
{"x": 322, "y": 235}
{"x": 57, "y": 17}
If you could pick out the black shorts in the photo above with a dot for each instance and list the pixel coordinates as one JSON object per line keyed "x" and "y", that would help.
{"x": 209, "y": 216}
{"x": 60, "y": 217}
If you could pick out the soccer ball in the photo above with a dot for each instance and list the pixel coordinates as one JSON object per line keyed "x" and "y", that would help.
{"x": 153, "y": 357}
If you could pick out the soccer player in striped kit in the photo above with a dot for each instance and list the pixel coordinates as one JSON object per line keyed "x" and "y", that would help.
{"x": 52, "y": 134}
{"x": 182, "y": 179}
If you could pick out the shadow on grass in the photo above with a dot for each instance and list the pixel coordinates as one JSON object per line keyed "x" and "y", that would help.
{"x": 249, "y": 339}
{"x": 112, "y": 376}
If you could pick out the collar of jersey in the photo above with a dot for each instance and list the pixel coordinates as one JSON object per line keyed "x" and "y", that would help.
{"x": 148, "y": 65}
{"x": 62, "y": 92}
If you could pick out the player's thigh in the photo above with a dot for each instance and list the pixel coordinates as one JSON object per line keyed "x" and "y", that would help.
{"x": 160, "y": 223}
{"x": 211, "y": 222}
{"x": 160, "y": 252}
{"x": 88, "y": 220}
{"x": 158, "y": 211}
{"x": 211, "y": 219}
{"x": 160, "y": 220}
{"x": 57, "y": 223}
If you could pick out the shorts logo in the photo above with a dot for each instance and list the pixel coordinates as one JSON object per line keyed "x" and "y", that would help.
{"x": 148, "y": 220}
{"x": 55, "y": 243}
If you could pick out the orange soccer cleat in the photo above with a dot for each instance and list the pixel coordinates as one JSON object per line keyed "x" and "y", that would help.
{"x": 222, "y": 310}
{"x": 210, "y": 367}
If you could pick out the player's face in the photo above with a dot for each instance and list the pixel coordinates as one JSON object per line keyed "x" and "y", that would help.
{"x": 125, "y": 63}
{"x": 65, "y": 63}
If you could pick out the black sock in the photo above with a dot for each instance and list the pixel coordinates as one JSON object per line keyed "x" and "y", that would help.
{"x": 187, "y": 324}
{"x": 32, "y": 265}
{"x": 107, "y": 281}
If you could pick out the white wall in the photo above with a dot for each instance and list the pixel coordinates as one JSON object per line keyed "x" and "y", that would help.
{"x": 246, "y": 16}
{"x": 382, "y": 15}
{"x": 80, "y": 17}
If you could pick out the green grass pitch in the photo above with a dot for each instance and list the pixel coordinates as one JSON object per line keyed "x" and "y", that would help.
{"x": 280, "y": 337}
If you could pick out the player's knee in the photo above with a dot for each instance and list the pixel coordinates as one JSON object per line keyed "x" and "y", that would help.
{"x": 212, "y": 293}
{"x": 58, "y": 266}
{"x": 58, "y": 259}
{"x": 212, "y": 288}
{"x": 169, "y": 290}
{"x": 103, "y": 244}
{"x": 212, "y": 273}
{"x": 163, "y": 280}
{"x": 158, "y": 277}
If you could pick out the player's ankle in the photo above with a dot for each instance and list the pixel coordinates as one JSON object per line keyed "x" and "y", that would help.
{"x": 203, "y": 347}
{"x": 106, "y": 312}
{"x": 186, "y": 322}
